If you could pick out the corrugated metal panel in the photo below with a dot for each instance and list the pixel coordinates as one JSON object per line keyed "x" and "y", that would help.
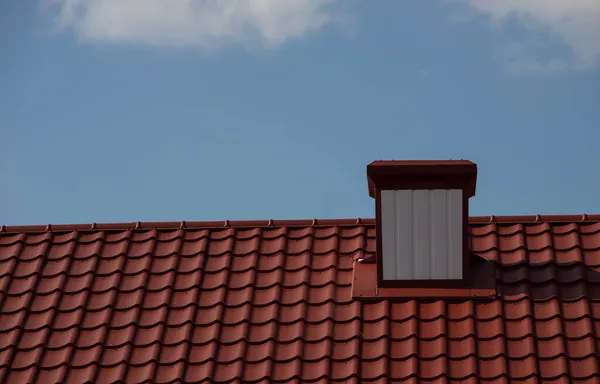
{"x": 422, "y": 234}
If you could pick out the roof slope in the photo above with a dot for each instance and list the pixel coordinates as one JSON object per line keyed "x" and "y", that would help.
{"x": 272, "y": 303}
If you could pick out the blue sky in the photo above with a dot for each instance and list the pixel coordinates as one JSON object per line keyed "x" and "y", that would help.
{"x": 132, "y": 110}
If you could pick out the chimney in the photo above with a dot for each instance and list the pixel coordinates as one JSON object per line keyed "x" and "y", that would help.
{"x": 422, "y": 215}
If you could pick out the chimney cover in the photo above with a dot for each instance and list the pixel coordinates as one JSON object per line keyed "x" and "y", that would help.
{"x": 422, "y": 174}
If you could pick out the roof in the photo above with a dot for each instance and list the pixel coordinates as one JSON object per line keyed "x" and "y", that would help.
{"x": 271, "y": 302}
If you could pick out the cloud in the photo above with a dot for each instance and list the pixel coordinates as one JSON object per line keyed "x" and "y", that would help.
{"x": 575, "y": 23}
{"x": 198, "y": 23}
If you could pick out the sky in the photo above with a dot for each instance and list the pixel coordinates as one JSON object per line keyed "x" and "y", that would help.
{"x": 169, "y": 110}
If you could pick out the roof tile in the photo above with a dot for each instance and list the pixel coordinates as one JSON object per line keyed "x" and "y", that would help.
{"x": 256, "y": 371}
{"x": 52, "y": 375}
{"x": 287, "y": 370}
{"x": 110, "y": 374}
{"x": 80, "y": 374}
{"x": 90, "y": 338}
{"x": 197, "y": 372}
{"x": 21, "y": 376}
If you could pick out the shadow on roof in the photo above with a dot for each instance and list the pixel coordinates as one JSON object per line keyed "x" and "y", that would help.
{"x": 551, "y": 280}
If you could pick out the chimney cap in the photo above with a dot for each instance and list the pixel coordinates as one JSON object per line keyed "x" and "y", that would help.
{"x": 422, "y": 174}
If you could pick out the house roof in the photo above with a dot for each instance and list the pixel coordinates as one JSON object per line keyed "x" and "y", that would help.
{"x": 272, "y": 302}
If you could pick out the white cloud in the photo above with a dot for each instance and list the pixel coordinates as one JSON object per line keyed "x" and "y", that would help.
{"x": 575, "y": 23}
{"x": 200, "y": 23}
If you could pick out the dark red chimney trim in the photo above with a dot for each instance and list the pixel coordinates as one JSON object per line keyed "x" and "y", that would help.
{"x": 422, "y": 174}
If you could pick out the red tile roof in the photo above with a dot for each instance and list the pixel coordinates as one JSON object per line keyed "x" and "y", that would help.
{"x": 271, "y": 302}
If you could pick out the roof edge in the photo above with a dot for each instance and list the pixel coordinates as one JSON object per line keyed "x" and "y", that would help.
{"x": 522, "y": 219}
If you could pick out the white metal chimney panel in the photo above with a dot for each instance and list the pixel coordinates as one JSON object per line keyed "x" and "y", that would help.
{"x": 396, "y": 228}
{"x": 422, "y": 234}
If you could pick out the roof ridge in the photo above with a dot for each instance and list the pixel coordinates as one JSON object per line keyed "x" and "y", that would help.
{"x": 518, "y": 219}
